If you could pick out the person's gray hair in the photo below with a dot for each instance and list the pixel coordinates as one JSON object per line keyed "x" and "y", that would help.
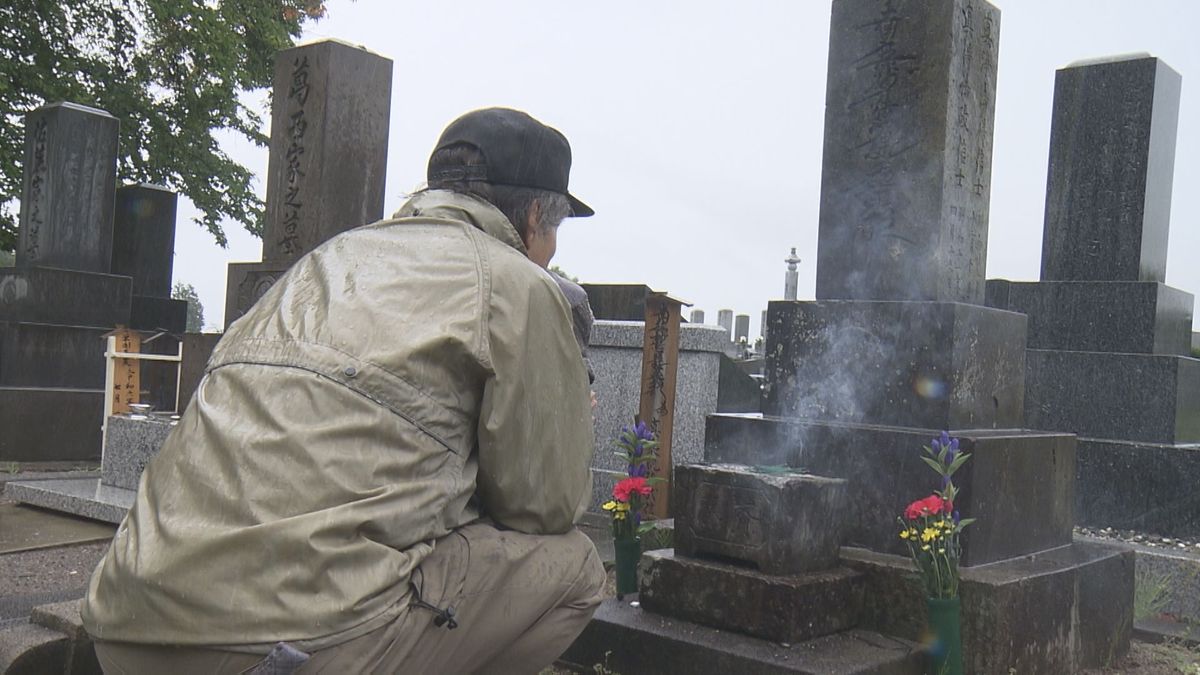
{"x": 516, "y": 203}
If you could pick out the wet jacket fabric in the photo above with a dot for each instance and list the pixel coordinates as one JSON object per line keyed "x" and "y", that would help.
{"x": 400, "y": 381}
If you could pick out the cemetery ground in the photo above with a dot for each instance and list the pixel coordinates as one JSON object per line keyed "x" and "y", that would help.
{"x": 47, "y": 557}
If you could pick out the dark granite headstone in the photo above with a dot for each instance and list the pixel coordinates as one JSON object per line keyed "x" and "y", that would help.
{"x": 64, "y": 297}
{"x": 617, "y": 302}
{"x": 1112, "y": 156}
{"x": 329, "y": 133}
{"x": 908, "y": 150}
{"x": 70, "y": 178}
{"x": 144, "y": 238}
{"x": 329, "y": 139}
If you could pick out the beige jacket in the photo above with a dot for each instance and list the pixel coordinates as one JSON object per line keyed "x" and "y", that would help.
{"x": 400, "y": 381}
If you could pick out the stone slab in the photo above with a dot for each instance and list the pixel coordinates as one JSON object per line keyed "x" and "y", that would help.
{"x": 1136, "y": 317}
{"x": 1011, "y": 476}
{"x": 906, "y": 174}
{"x": 1146, "y": 487}
{"x": 144, "y": 238}
{"x": 1131, "y": 397}
{"x": 158, "y": 314}
{"x": 197, "y": 348}
{"x": 1112, "y": 159}
{"x": 911, "y": 364}
{"x": 50, "y": 425}
{"x": 779, "y": 523}
{"x": 69, "y": 185}
{"x": 27, "y": 529}
{"x": 737, "y": 392}
{"x": 86, "y": 497}
{"x": 329, "y": 139}
{"x": 628, "y": 639}
{"x": 1056, "y": 612}
{"x": 128, "y": 446}
{"x": 616, "y": 357}
{"x": 792, "y": 608}
{"x": 29, "y": 649}
{"x": 67, "y": 297}
{"x": 49, "y": 355}
{"x": 245, "y": 284}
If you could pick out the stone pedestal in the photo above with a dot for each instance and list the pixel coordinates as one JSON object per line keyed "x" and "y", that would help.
{"x": 1149, "y": 487}
{"x": 1011, "y": 475}
{"x": 914, "y": 364}
{"x": 1133, "y": 397}
{"x": 1133, "y": 317}
{"x": 48, "y": 423}
{"x": 246, "y": 283}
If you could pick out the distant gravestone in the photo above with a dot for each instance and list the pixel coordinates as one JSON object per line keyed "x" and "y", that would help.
{"x": 697, "y": 316}
{"x": 144, "y": 238}
{"x": 329, "y": 137}
{"x": 70, "y": 178}
{"x": 1107, "y": 211}
{"x": 908, "y": 151}
{"x": 741, "y": 327}
{"x": 725, "y": 320}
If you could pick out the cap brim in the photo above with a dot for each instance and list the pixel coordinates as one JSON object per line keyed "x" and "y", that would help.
{"x": 578, "y": 208}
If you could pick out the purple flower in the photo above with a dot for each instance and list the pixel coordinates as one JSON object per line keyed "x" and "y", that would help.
{"x": 955, "y": 516}
{"x": 643, "y": 432}
{"x": 952, "y": 450}
{"x": 945, "y": 482}
{"x": 945, "y": 439}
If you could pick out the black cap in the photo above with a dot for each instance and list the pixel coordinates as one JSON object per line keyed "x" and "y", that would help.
{"x": 517, "y": 149}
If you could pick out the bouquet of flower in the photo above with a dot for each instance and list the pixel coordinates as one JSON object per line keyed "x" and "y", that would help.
{"x": 637, "y": 447}
{"x": 931, "y": 526}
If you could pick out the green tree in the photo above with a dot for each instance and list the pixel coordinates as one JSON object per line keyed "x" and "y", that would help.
{"x": 195, "y": 320}
{"x": 174, "y": 72}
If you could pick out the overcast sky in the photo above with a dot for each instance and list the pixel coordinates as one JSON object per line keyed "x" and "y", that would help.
{"x": 696, "y": 128}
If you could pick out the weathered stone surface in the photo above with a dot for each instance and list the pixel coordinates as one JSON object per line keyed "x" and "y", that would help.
{"x": 1011, "y": 475}
{"x": 737, "y": 392}
{"x": 1055, "y": 612}
{"x": 1130, "y": 397}
{"x": 144, "y": 238}
{"x": 47, "y": 355}
{"x": 780, "y": 523}
{"x": 910, "y": 364}
{"x": 1135, "y": 317}
{"x": 50, "y": 424}
{"x": 329, "y": 139}
{"x": 1139, "y": 486}
{"x": 906, "y": 175}
{"x": 246, "y": 283}
{"x": 86, "y": 497}
{"x": 617, "y": 302}
{"x": 129, "y": 446}
{"x": 791, "y": 608}
{"x": 1112, "y": 157}
{"x": 627, "y": 639}
{"x": 70, "y": 178}
{"x": 197, "y": 348}
{"x": 33, "y": 650}
{"x": 158, "y": 314}
{"x": 65, "y": 297}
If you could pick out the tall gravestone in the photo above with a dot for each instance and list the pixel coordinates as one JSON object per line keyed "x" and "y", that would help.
{"x": 144, "y": 249}
{"x": 60, "y": 298}
{"x": 329, "y": 135}
{"x": 898, "y": 346}
{"x": 1108, "y": 340}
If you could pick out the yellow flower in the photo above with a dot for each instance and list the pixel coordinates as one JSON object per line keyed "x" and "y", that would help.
{"x": 609, "y": 505}
{"x": 622, "y": 506}
{"x": 905, "y": 534}
{"x": 941, "y": 550}
{"x": 925, "y": 547}
{"x": 619, "y": 515}
{"x": 929, "y": 534}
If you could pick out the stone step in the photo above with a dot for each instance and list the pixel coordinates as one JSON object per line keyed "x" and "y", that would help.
{"x": 628, "y": 639}
{"x": 29, "y": 649}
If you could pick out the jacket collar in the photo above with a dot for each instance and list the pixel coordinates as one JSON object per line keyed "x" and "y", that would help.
{"x": 461, "y": 207}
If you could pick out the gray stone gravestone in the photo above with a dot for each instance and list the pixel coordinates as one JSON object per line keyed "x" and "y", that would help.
{"x": 1108, "y": 340}
{"x": 329, "y": 136}
{"x": 144, "y": 249}
{"x": 725, "y": 320}
{"x": 60, "y": 298}
{"x": 741, "y": 327}
{"x": 697, "y": 316}
{"x": 897, "y": 347}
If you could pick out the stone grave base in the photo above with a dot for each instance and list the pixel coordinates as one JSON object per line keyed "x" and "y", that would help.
{"x": 86, "y": 497}
{"x": 781, "y": 608}
{"x": 1012, "y": 475}
{"x": 1054, "y": 612}
{"x": 1147, "y": 487}
{"x": 1138, "y": 397}
{"x": 627, "y": 639}
{"x": 50, "y": 425}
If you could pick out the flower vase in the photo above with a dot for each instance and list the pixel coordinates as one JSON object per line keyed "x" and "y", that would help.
{"x": 628, "y": 550}
{"x": 945, "y": 621}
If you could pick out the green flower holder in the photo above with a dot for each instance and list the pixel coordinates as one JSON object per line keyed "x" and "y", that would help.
{"x": 945, "y": 622}
{"x": 628, "y": 553}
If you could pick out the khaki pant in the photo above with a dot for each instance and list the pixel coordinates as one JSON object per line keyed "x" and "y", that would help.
{"x": 519, "y": 600}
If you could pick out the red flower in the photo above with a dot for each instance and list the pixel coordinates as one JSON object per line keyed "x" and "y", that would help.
{"x": 931, "y": 505}
{"x": 636, "y": 484}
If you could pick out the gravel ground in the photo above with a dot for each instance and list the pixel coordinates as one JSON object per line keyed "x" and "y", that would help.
{"x": 1167, "y": 544}
{"x": 48, "y": 569}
